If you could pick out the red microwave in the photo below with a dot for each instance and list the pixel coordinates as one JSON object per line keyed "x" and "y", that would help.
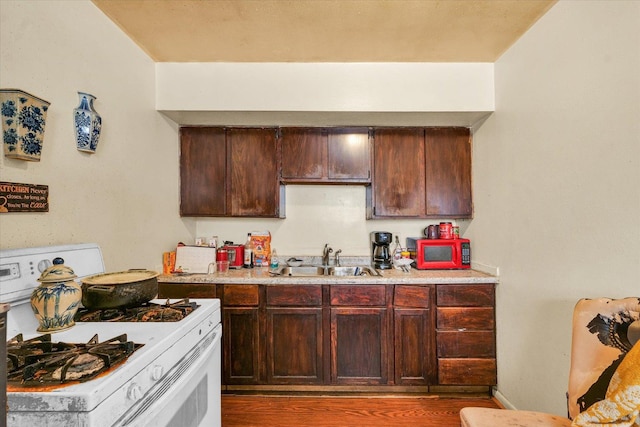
{"x": 439, "y": 254}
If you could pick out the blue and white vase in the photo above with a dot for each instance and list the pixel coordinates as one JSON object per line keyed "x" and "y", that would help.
{"x": 88, "y": 124}
{"x": 57, "y": 299}
{"x": 23, "y": 120}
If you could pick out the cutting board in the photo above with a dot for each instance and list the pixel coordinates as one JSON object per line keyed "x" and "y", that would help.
{"x": 194, "y": 259}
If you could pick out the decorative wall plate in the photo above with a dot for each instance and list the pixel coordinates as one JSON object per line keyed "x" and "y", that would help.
{"x": 23, "y": 121}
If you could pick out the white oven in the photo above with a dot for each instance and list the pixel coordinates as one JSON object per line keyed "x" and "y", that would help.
{"x": 173, "y": 379}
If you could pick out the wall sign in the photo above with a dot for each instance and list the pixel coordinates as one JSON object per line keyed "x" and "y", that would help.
{"x": 16, "y": 197}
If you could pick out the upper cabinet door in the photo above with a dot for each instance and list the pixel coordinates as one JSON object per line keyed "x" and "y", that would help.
{"x": 202, "y": 171}
{"x": 325, "y": 156}
{"x": 253, "y": 160}
{"x": 399, "y": 173}
{"x": 349, "y": 155}
{"x": 448, "y": 169}
{"x": 304, "y": 154}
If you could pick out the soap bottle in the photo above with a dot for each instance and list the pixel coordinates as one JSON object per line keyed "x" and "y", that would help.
{"x": 248, "y": 252}
{"x": 273, "y": 263}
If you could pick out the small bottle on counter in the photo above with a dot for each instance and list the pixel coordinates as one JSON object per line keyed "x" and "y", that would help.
{"x": 273, "y": 263}
{"x": 397, "y": 252}
{"x": 248, "y": 252}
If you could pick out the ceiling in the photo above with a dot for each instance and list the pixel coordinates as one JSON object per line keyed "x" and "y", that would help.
{"x": 324, "y": 30}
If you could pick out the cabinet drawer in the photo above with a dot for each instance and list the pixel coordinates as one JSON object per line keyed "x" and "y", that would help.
{"x": 411, "y": 296}
{"x": 186, "y": 290}
{"x": 477, "y": 318}
{"x": 465, "y": 295}
{"x": 356, "y": 295}
{"x": 465, "y": 344}
{"x": 240, "y": 295}
{"x": 297, "y": 295}
{"x": 467, "y": 371}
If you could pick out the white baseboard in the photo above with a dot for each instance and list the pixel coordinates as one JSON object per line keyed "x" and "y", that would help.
{"x": 503, "y": 400}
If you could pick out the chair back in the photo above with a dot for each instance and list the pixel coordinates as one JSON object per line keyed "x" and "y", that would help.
{"x": 599, "y": 343}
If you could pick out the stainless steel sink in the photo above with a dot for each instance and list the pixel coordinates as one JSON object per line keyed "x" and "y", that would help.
{"x": 303, "y": 270}
{"x": 353, "y": 270}
{"x": 315, "y": 270}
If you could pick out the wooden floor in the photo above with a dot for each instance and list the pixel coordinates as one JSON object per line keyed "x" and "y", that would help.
{"x": 321, "y": 411}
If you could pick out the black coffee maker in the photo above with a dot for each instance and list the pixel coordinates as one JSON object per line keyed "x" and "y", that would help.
{"x": 380, "y": 253}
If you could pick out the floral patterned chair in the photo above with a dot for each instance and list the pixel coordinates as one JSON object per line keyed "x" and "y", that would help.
{"x": 604, "y": 381}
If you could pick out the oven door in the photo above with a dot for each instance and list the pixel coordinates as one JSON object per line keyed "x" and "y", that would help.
{"x": 189, "y": 396}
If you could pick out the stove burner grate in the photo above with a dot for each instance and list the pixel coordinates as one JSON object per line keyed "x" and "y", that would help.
{"x": 148, "y": 312}
{"x": 40, "y": 362}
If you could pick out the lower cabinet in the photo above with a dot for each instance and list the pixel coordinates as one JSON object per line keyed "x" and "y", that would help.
{"x": 241, "y": 342}
{"x": 354, "y": 337}
{"x": 465, "y": 335}
{"x": 241, "y": 334}
{"x": 413, "y": 337}
{"x": 359, "y": 334}
{"x": 294, "y": 338}
{"x": 358, "y": 346}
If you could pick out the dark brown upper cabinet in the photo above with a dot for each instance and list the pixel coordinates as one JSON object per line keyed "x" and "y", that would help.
{"x": 412, "y": 172}
{"x": 254, "y": 189}
{"x": 326, "y": 155}
{"x": 203, "y": 159}
{"x": 421, "y": 173}
{"x": 448, "y": 172}
{"x": 229, "y": 172}
{"x": 398, "y": 173}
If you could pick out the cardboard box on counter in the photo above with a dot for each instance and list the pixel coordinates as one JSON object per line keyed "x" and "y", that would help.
{"x": 261, "y": 241}
{"x": 168, "y": 262}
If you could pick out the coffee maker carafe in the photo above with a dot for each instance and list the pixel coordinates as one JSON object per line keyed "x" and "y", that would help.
{"x": 380, "y": 254}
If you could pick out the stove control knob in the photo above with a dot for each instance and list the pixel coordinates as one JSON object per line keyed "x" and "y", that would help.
{"x": 134, "y": 392}
{"x": 43, "y": 265}
{"x": 157, "y": 372}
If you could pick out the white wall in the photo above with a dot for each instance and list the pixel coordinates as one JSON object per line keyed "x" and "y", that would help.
{"x": 124, "y": 197}
{"x": 317, "y": 215}
{"x": 325, "y": 94}
{"x": 556, "y": 174}
{"x": 343, "y": 87}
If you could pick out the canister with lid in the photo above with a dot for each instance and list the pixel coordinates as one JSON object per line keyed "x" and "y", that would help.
{"x": 56, "y": 300}
{"x": 446, "y": 230}
{"x": 222, "y": 254}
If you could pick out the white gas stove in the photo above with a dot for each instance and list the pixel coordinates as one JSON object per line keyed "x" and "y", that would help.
{"x": 173, "y": 379}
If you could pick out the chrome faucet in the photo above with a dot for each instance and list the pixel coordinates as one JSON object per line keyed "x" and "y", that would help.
{"x": 337, "y": 255}
{"x": 325, "y": 254}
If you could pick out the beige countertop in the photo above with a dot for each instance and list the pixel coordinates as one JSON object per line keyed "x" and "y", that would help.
{"x": 260, "y": 275}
